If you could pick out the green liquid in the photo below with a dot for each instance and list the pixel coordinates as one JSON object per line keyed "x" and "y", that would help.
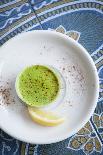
{"x": 37, "y": 86}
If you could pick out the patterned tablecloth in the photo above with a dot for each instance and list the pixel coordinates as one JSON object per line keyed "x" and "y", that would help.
{"x": 81, "y": 20}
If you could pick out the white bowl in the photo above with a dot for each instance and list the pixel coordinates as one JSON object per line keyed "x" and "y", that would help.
{"x": 77, "y": 69}
{"x": 61, "y": 93}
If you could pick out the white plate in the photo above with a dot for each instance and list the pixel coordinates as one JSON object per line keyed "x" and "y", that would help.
{"x": 77, "y": 69}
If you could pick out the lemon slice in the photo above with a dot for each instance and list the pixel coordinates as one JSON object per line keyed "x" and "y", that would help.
{"x": 46, "y": 118}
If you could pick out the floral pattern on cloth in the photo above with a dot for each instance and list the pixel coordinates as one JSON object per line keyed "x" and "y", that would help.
{"x": 72, "y": 34}
{"x": 87, "y": 138}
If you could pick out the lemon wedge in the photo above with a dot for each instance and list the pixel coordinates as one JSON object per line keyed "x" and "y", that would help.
{"x": 45, "y": 118}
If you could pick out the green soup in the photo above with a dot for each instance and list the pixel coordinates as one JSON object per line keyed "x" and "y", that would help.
{"x": 37, "y": 85}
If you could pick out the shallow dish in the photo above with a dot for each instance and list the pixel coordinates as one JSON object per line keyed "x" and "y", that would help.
{"x": 78, "y": 71}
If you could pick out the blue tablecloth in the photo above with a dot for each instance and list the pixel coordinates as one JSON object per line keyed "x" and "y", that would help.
{"x": 81, "y": 20}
